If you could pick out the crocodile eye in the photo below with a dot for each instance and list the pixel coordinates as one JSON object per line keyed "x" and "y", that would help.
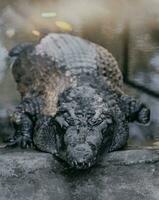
{"x": 109, "y": 120}
{"x": 67, "y": 119}
{"x": 96, "y": 121}
{"x": 103, "y": 117}
{"x": 70, "y": 120}
{"x": 99, "y": 120}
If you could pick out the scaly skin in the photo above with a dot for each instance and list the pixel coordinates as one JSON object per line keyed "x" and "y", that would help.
{"x": 73, "y": 105}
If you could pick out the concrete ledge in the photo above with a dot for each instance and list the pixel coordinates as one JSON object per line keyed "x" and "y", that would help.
{"x": 126, "y": 175}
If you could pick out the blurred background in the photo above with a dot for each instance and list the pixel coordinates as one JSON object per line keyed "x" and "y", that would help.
{"x": 128, "y": 29}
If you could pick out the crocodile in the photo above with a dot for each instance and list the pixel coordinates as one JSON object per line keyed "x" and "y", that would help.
{"x": 72, "y": 100}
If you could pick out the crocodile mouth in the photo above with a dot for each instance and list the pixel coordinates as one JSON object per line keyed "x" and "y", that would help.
{"x": 76, "y": 163}
{"x": 81, "y": 165}
{"x": 81, "y": 156}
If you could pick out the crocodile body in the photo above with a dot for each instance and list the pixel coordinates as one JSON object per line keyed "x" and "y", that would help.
{"x": 73, "y": 104}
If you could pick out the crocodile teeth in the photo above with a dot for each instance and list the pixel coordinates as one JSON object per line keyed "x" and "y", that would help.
{"x": 75, "y": 162}
{"x": 89, "y": 164}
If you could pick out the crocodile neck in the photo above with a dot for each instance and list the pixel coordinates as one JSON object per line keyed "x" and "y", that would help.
{"x": 92, "y": 79}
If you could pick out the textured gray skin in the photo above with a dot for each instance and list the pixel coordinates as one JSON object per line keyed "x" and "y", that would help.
{"x": 72, "y": 102}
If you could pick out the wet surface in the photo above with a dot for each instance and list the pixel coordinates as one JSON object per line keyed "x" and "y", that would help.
{"x": 100, "y": 21}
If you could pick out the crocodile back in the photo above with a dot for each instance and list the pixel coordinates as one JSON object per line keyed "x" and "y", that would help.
{"x": 69, "y": 52}
{"x": 59, "y": 62}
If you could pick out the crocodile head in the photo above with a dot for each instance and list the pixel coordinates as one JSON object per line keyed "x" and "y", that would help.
{"x": 85, "y": 125}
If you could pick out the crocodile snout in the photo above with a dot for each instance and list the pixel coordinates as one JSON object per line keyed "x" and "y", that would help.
{"x": 81, "y": 156}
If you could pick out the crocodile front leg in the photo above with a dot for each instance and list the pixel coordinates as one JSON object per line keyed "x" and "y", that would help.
{"x": 134, "y": 110}
{"x": 23, "y": 119}
{"x": 44, "y": 137}
{"x": 120, "y": 130}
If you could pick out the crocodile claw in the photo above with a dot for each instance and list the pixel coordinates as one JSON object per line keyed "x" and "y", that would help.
{"x": 22, "y": 141}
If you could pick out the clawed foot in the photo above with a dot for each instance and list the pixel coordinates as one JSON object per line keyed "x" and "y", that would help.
{"x": 135, "y": 110}
{"x": 23, "y": 141}
{"x": 23, "y": 130}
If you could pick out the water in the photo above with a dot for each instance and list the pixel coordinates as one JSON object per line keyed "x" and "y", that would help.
{"x": 101, "y": 21}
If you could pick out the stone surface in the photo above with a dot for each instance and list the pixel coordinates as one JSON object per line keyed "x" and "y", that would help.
{"x": 32, "y": 175}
